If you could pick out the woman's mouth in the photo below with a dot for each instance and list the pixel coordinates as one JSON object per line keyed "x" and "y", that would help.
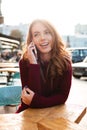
{"x": 44, "y": 44}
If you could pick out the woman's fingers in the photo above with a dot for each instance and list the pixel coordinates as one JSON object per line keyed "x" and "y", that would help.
{"x": 27, "y": 95}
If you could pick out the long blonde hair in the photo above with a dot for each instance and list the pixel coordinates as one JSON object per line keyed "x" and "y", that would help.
{"x": 60, "y": 57}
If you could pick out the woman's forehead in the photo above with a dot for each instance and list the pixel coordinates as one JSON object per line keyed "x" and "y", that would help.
{"x": 38, "y": 26}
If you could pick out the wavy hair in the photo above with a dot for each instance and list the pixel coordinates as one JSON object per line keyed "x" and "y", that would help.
{"x": 60, "y": 58}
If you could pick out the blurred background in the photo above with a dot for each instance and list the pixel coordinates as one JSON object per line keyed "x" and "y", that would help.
{"x": 69, "y": 18}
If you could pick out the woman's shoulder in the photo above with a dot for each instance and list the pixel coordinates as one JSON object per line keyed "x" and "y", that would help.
{"x": 23, "y": 61}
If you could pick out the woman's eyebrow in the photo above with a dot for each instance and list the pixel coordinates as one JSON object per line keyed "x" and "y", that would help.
{"x": 36, "y": 32}
{"x": 39, "y": 32}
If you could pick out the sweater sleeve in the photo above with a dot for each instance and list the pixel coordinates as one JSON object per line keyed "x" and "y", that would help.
{"x": 29, "y": 74}
{"x": 58, "y": 98}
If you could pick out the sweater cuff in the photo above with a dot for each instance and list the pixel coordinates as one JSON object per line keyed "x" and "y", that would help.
{"x": 35, "y": 101}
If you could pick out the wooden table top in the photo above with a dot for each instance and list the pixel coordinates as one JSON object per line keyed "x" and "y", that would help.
{"x": 16, "y": 122}
{"x": 8, "y": 64}
{"x": 9, "y": 69}
{"x": 58, "y": 124}
{"x": 63, "y": 117}
{"x": 69, "y": 111}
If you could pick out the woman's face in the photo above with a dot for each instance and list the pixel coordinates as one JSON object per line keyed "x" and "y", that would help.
{"x": 42, "y": 38}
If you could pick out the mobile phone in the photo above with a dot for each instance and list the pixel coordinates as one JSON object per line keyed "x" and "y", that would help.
{"x": 35, "y": 51}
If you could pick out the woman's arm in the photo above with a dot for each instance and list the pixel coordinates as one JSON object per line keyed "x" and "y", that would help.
{"x": 23, "y": 72}
{"x": 58, "y": 98}
{"x": 30, "y": 75}
{"x": 39, "y": 101}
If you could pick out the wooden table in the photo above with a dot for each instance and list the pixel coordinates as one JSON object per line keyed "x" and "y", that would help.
{"x": 9, "y": 70}
{"x": 58, "y": 124}
{"x": 62, "y": 117}
{"x": 9, "y": 65}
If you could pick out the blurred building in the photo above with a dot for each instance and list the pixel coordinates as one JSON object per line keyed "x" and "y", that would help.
{"x": 79, "y": 39}
{"x": 76, "y": 40}
{"x": 81, "y": 29}
{"x": 1, "y": 19}
{"x": 21, "y": 27}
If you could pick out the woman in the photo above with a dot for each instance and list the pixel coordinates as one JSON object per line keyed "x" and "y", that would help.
{"x": 45, "y": 68}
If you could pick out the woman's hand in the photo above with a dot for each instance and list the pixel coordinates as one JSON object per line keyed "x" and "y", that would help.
{"x": 32, "y": 53}
{"x": 27, "y": 96}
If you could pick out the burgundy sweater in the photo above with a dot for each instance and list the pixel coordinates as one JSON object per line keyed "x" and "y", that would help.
{"x": 45, "y": 94}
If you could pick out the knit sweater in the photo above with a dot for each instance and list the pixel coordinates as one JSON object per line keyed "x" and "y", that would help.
{"x": 45, "y": 95}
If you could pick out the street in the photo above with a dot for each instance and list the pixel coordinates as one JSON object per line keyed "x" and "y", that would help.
{"x": 78, "y": 93}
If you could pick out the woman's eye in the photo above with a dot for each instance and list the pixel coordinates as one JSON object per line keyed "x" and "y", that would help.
{"x": 36, "y": 34}
{"x": 47, "y": 32}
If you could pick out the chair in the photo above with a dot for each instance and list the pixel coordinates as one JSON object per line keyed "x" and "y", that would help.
{"x": 3, "y": 78}
{"x": 10, "y": 95}
{"x": 16, "y": 75}
{"x": 15, "y": 79}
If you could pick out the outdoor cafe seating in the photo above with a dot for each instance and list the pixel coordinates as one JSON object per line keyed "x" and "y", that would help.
{"x": 8, "y": 71}
{"x": 10, "y": 95}
{"x": 62, "y": 117}
{"x": 10, "y": 84}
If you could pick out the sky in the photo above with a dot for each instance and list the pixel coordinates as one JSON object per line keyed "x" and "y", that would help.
{"x": 63, "y": 14}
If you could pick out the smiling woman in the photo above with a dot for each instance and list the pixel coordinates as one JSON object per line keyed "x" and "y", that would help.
{"x": 48, "y": 77}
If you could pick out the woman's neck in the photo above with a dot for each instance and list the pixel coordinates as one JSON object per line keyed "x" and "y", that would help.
{"x": 45, "y": 57}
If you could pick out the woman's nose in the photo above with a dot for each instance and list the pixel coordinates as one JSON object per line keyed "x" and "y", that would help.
{"x": 42, "y": 36}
